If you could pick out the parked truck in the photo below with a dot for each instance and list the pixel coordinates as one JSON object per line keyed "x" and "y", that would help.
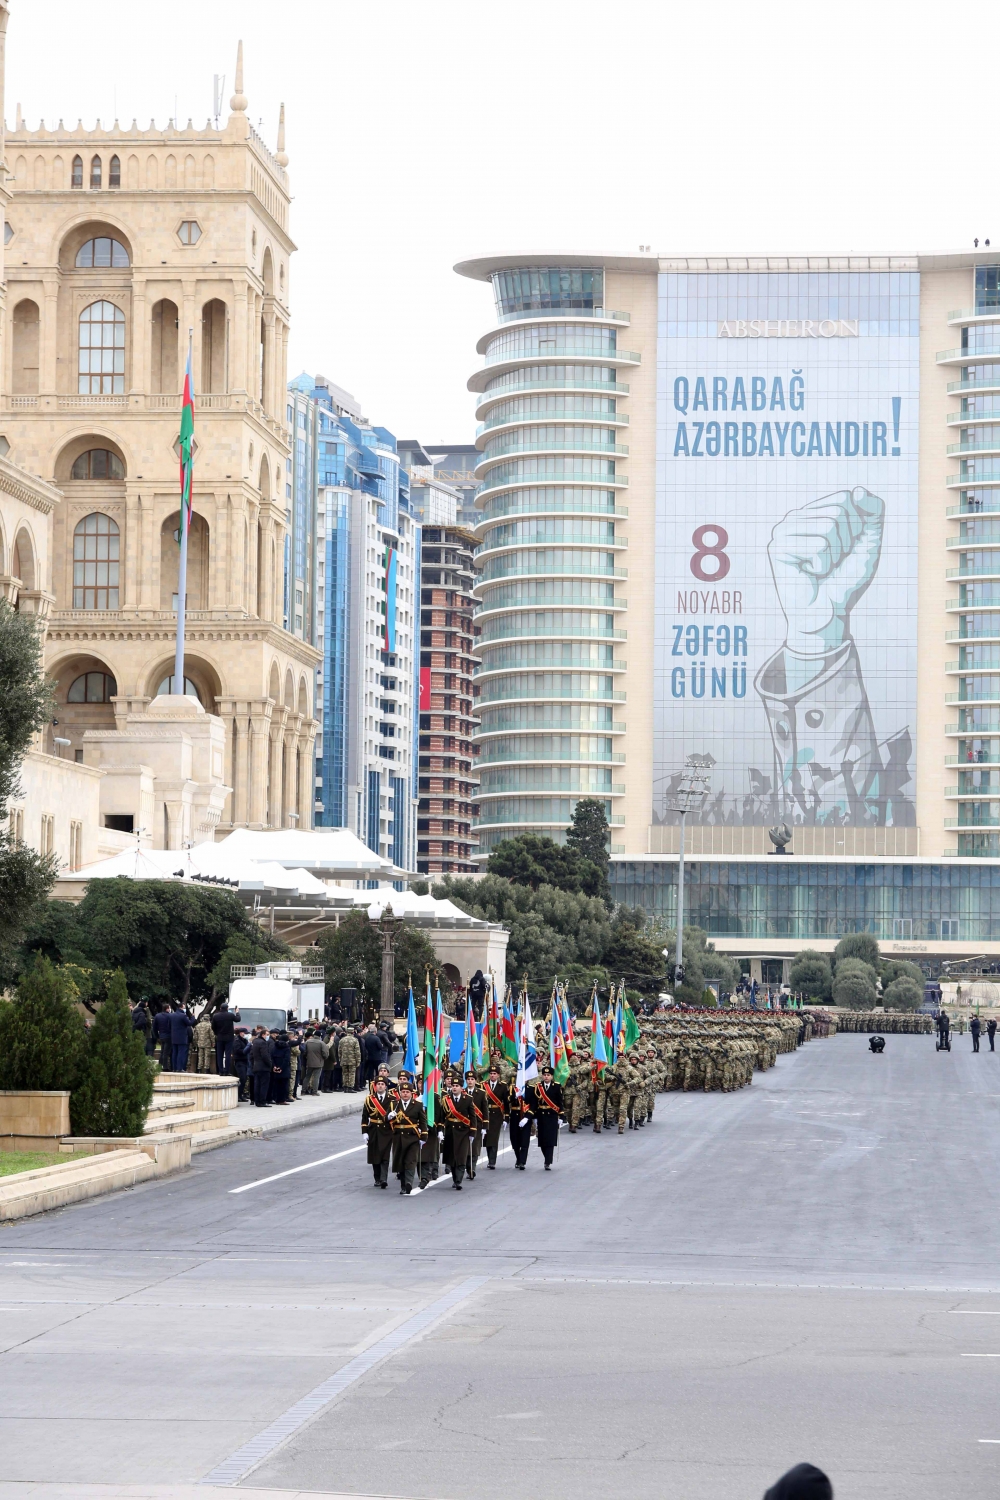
{"x": 277, "y": 993}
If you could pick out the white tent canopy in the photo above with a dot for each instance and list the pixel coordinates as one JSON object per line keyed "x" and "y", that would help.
{"x": 334, "y": 853}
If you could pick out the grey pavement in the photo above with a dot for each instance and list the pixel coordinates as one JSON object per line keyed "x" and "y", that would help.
{"x": 807, "y": 1269}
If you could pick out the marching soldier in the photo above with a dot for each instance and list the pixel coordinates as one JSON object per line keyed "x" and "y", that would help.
{"x": 409, "y": 1131}
{"x": 547, "y": 1104}
{"x": 376, "y": 1129}
{"x": 430, "y": 1150}
{"x": 520, "y": 1117}
{"x": 477, "y": 1095}
{"x": 457, "y": 1115}
{"x": 497, "y": 1095}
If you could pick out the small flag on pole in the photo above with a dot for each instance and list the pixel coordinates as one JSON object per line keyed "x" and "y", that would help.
{"x": 412, "y": 1037}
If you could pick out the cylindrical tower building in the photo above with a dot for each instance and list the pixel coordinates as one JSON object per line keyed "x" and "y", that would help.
{"x": 552, "y": 432}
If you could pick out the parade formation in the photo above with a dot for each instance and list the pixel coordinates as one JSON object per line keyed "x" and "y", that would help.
{"x": 471, "y": 1080}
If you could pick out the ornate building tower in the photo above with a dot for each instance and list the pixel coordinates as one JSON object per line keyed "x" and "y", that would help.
{"x": 122, "y": 243}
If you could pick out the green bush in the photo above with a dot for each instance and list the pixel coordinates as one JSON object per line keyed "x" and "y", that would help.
{"x": 857, "y": 945}
{"x": 902, "y": 994}
{"x": 810, "y": 975}
{"x": 898, "y": 968}
{"x": 42, "y": 1035}
{"x": 116, "y": 1083}
{"x": 854, "y": 984}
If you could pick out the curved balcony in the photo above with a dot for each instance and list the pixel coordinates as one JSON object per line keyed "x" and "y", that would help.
{"x": 560, "y": 725}
{"x": 972, "y": 543}
{"x": 542, "y": 824}
{"x": 984, "y": 570}
{"x": 554, "y": 316}
{"x": 611, "y": 758}
{"x": 969, "y": 317}
{"x": 991, "y": 726}
{"x": 570, "y": 445}
{"x": 555, "y": 633}
{"x": 989, "y": 664}
{"x": 972, "y": 419}
{"x": 501, "y": 512}
{"x": 596, "y": 481}
{"x": 962, "y": 760}
{"x": 960, "y": 387}
{"x": 979, "y": 794}
{"x": 556, "y": 664}
{"x": 990, "y": 696}
{"x": 976, "y": 507}
{"x": 605, "y": 605}
{"x": 570, "y": 387}
{"x": 991, "y": 447}
{"x": 968, "y": 356}
{"x": 564, "y": 418}
{"x": 987, "y": 478}
{"x": 963, "y": 635}
{"x": 567, "y": 355}
{"x": 553, "y": 695}
{"x": 550, "y": 539}
{"x": 558, "y": 570}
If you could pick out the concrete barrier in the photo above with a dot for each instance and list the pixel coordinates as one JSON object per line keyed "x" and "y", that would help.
{"x": 35, "y": 1192}
{"x": 169, "y": 1153}
{"x": 33, "y": 1119}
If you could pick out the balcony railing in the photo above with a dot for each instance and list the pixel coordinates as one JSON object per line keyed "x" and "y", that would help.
{"x": 957, "y": 387}
{"x": 973, "y": 481}
{"x": 566, "y": 352}
{"x": 509, "y": 388}
{"x": 961, "y": 448}
{"x": 570, "y": 313}
{"x": 533, "y": 419}
{"x": 984, "y": 570}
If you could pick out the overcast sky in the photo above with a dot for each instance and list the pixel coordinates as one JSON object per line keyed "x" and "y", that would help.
{"x": 422, "y": 132}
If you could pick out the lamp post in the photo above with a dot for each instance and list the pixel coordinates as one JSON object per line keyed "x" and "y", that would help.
{"x": 387, "y": 926}
{"x": 689, "y": 796}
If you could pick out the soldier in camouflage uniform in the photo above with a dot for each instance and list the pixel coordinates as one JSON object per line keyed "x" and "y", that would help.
{"x": 618, "y": 1087}
{"x": 576, "y": 1090}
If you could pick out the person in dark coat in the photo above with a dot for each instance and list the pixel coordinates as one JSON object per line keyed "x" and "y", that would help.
{"x": 991, "y": 1032}
{"x": 181, "y": 1027}
{"x": 281, "y": 1067}
{"x": 409, "y": 1131}
{"x": 477, "y": 994}
{"x": 376, "y": 1129}
{"x": 546, "y": 1105}
{"x": 944, "y": 1030}
{"x": 804, "y": 1482}
{"x": 477, "y": 1098}
{"x": 975, "y": 1027}
{"x": 224, "y": 1027}
{"x": 241, "y": 1063}
{"x": 371, "y": 1054}
{"x": 457, "y": 1115}
{"x": 519, "y": 1117}
{"x": 497, "y": 1101}
{"x": 141, "y": 1023}
{"x": 261, "y": 1064}
{"x": 161, "y": 1035}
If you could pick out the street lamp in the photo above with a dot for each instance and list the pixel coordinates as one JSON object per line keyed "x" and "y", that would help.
{"x": 388, "y": 926}
{"x": 688, "y": 797}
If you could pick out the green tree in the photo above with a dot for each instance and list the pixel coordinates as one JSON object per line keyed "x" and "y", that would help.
{"x": 633, "y": 954}
{"x": 810, "y": 975}
{"x": 898, "y": 968}
{"x": 589, "y": 833}
{"x": 116, "y": 1082}
{"x": 854, "y": 984}
{"x": 25, "y": 703}
{"x": 857, "y": 945}
{"x": 534, "y": 860}
{"x": 352, "y": 956}
{"x": 42, "y": 1035}
{"x": 902, "y": 994}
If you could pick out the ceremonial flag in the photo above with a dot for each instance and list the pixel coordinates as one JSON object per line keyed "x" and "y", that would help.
{"x": 185, "y": 443}
{"x": 567, "y": 1025}
{"x": 598, "y": 1054}
{"x": 493, "y": 1038}
{"x": 528, "y": 1030}
{"x": 442, "y": 1028}
{"x": 432, "y": 1073}
{"x": 609, "y": 1030}
{"x": 560, "y": 1063}
{"x": 412, "y": 1037}
{"x": 508, "y": 1040}
{"x": 632, "y": 1031}
{"x": 620, "y": 1023}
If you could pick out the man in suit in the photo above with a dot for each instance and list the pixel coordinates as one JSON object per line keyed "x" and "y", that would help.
{"x": 161, "y": 1034}
{"x": 261, "y": 1065}
{"x": 547, "y": 1103}
{"x": 497, "y": 1095}
{"x": 224, "y": 1027}
{"x": 181, "y": 1027}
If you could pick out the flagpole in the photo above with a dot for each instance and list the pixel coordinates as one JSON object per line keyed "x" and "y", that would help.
{"x": 183, "y": 565}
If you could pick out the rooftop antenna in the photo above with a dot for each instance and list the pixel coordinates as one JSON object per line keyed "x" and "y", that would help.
{"x": 218, "y": 93}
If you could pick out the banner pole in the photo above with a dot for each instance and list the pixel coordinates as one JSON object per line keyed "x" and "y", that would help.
{"x": 182, "y": 566}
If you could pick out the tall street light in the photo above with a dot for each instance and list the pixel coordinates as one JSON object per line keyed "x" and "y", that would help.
{"x": 689, "y": 796}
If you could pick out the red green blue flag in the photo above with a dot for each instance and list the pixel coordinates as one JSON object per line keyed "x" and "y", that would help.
{"x": 186, "y": 444}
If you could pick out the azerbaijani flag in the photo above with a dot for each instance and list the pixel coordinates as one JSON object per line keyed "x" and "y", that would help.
{"x": 508, "y": 1039}
{"x": 567, "y": 1026}
{"x": 557, "y": 1048}
{"x": 632, "y": 1031}
{"x": 609, "y": 1030}
{"x": 620, "y": 1032}
{"x": 443, "y": 1029}
{"x": 599, "y": 1055}
{"x": 185, "y": 445}
{"x": 412, "y": 1037}
{"x": 432, "y": 1073}
{"x": 493, "y": 1028}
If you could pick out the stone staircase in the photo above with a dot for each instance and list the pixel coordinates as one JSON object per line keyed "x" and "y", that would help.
{"x": 200, "y": 1105}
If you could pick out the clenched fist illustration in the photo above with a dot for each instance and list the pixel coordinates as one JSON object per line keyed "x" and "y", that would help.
{"x": 823, "y": 557}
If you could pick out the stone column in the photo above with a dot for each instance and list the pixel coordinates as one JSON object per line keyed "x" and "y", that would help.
{"x": 141, "y": 337}
{"x": 238, "y": 349}
{"x": 260, "y": 720}
{"x": 291, "y": 790}
{"x": 307, "y": 784}
{"x": 267, "y": 388}
{"x": 278, "y": 716}
{"x": 49, "y": 338}
{"x": 241, "y": 810}
{"x": 388, "y": 926}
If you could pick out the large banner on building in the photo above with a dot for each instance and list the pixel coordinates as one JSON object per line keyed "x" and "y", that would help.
{"x": 786, "y": 545}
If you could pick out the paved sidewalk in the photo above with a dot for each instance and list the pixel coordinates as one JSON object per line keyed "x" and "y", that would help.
{"x": 311, "y": 1110}
{"x": 42, "y": 1491}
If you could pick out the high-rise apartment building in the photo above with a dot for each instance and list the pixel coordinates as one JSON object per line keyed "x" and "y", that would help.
{"x": 743, "y": 508}
{"x": 366, "y": 548}
{"x": 122, "y": 243}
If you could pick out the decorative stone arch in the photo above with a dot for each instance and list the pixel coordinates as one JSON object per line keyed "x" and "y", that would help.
{"x": 303, "y": 704}
{"x": 264, "y": 478}
{"x": 75, "y": 718}
{"x": 80, "y": 443}
{"x": 289, "y": 690}
{"x": 164, "y": 371}
{"x": 197, "y": 670}
{"x": 274, "y": 683}
{"x": 214, "y": 346}
{"x": 267, "y": 272}
{"x": 25, "y": 328}
{"x": 85, "y": 227}
{"x": 199, "y": 550}
{"x": 24, "y": 559}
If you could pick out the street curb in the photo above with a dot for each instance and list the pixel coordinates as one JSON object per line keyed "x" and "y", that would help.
{"x": 336, "y": 1109}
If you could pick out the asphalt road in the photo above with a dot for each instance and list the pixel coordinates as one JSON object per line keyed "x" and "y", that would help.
{"x": 809, "y": 1268}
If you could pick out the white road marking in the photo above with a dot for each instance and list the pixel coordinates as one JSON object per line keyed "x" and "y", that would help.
{"x": 247, "y": 1458}
{"x": 979, "y": 1356}
{"x": 976, "y": 1312}
{"x": 304, "y": 1168}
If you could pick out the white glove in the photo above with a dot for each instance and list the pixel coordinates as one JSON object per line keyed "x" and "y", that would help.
{"x": 364, "y": 1135}
{"x": 523, "y": 1122}
{"x": 440, "y": 1135}
{"x": 392, "y": 1114}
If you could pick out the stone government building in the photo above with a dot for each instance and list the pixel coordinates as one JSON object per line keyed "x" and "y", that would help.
{"x": 117, "y": 242}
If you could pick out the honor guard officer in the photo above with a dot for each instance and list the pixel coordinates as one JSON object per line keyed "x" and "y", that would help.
{"x": 376, "y": 1127}
{"x": 476, "y": 1093}
{"x": 520, "y": 1117}
{"x": 409, "y": 1131}
{"x": 547, "y": 1104}
{"x": 457, "y": 1115}
{"x": 497, "y": 1095}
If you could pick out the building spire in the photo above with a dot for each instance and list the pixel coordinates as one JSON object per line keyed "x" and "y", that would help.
{"x": 238, "y": 102}
{"x": 282, "y": 154}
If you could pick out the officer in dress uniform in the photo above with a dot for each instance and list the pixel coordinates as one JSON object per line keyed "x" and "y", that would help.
{"x": 409, "y": 1131}
{"x": 376, "y": 1129}
{"x": 477, "y": 1095}
{"x": 497, "y": 1095}
{"x": 457, "y": 1115}
{"x": 520, "y": 1117}
{"x": 547, "y": 1106}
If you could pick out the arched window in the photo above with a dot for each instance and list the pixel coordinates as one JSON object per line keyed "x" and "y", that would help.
{"x": 25, "y": 361}
{"x": 97, "y": 463}
{"x": 167, "y": 686}
{"x": 77, "y": 178}
{"x": 92, "y": 687}
{"x": 102, "y": 252}
{"x": 163, "y": 364}
{"x": 95, "y": 172}
{"x": 102, "y": 350}
{"x": 114, "y": 173}
{"x": 95, "y": 563}
{"x": 213, "y": 346}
